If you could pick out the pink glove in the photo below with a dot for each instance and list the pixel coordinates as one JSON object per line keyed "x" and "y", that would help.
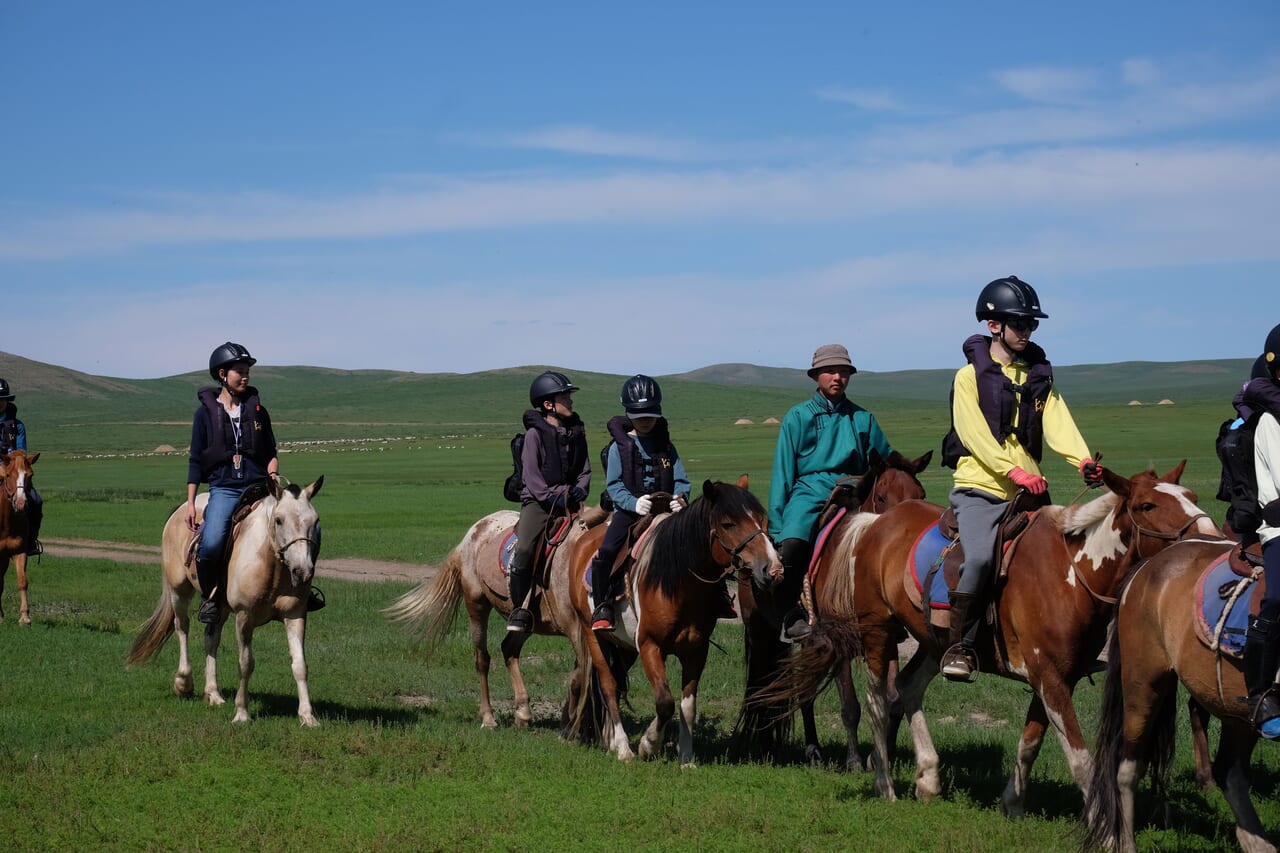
{"x": 1033, "y": 483}
{"x": 1092, "y": 473}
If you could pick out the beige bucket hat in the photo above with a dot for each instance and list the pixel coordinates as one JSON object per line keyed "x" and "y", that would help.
{"x": 830, "y": 355}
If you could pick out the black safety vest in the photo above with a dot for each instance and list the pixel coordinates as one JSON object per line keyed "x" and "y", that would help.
{"x": 9, "y": 429}
{"x": 564, "y": 448}
{"x": 635, "y": 467}
{"x": 999, "y": 398}
{"x": 222, "y": 439}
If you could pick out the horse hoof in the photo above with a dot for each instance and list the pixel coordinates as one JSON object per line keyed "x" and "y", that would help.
{"x": 690, "y": 765}
{"x": 491, "y": 725}
{"x": 813, "y": 755}
{"x": 240, "y": 717}
{"x": 307, "y": 721}
{"x": 183, "y": 689}
{"x": 24, "y": 620}
{"x": 215, "y": 699}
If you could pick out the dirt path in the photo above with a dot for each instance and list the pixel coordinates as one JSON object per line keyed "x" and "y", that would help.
{"x": 351, "y": 569}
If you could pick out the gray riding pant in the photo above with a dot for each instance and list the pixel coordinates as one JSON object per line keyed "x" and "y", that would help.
{"x": 978, "y": 515}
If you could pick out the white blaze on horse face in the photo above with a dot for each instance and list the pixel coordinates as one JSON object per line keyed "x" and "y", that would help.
{"x": 1182, "y": 495}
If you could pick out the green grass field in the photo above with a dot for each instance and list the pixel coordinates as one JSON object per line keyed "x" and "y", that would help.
{"x": 96, "y": 756}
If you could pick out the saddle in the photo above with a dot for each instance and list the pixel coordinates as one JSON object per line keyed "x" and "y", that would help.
{"x": 938, "y": 557}
{"x": 1226, "y": 599}
{"x": 249, "y": 500}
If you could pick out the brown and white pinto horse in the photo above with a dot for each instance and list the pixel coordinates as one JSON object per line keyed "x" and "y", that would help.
{"x": 1154, "y": 647}
{"x": 1052, "y": 614}
{"x": 15, "y": 474}
{"x": 884, "y": 485}
{"x": 472, "y": 574}
{"x": 671, "y": 609}
{"x": 269, "y": 571}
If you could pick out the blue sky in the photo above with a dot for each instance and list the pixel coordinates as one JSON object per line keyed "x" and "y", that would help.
{"x": 466, "y": 186}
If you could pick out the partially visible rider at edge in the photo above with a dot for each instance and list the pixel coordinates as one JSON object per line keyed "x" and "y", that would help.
{"x": 1262, "y": 641}
{"x": 232, "y": 448}
{"x": 1004, "y": 409}
{"x": 13, "y": 436}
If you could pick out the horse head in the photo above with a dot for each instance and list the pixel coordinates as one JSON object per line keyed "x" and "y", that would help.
{"x": 15, "y": 468}
{"x": 891, "y": 482}
{"x": 740, "y": 532}
{"x": 1148, "y": 512}
{"x": 295, "y": 529}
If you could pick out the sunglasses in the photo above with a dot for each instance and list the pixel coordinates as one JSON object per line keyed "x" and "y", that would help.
{"x": 1023, "y": 324}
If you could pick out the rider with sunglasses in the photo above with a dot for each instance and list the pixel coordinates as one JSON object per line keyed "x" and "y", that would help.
{"x": 1004, "y": 408}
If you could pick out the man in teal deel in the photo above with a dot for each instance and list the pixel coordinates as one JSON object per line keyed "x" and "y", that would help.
{"x": 821, "y": 440}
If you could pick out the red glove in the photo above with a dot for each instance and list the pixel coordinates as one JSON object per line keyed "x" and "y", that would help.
{"x": 1033, "y": 483}
{"x": 1092, "y": 473}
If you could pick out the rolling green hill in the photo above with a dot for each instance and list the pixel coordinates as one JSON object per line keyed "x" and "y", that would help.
{"x": 68, "y": 409}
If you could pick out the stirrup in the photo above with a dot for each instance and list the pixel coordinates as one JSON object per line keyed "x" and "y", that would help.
{"x": 35, "y": 549}
{"x": 1264, "y": 714}
{"x": 602, "y": 618}
{"x": 208, "y": 612}
{"x": 315, "y": 600}
{"x": 520, "y": 621}
{"x": 958, "y": 663}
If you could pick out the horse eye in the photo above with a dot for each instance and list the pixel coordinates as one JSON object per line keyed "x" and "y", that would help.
{"x": 1146, "y": 507}
{"x": 279, "y": 521}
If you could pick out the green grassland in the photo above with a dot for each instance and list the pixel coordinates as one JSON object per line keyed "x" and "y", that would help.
{"x": 93, "y": 755}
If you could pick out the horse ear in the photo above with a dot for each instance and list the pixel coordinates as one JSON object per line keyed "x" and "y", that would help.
{"x": 32, "y": 459}
{"x": 709, "y": 490}
{"x": 1176, "y": 474}
{"x": 314, "y": 489}
{"x": 1113, "y": 481}
{"x": 922, "y": 462}
{"x": 273, "y": 488}
{"x": 876, "y": 462}
{"x": 744, "y": 481}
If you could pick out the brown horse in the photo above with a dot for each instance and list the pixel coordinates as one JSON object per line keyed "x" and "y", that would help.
{"x": 671, "y": 609}
{"x": 1052, "y": 610}
{"x": 1154, "y": 646}
{"x": 16, "y": 474}
{"x": 884, "y": 485}
{"x": 472, "y": 573}
{"x": 273, "y": 558}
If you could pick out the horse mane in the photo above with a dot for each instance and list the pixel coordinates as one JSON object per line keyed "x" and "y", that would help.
{"x": 838, "y": 594}
{"x": 1081, "y": 518}
{"x": 680, "y": 544}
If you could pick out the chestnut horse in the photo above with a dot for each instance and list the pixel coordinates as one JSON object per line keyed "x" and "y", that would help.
{"x": 884, "y": 485}
{"x": 671, "y": 608}
{"x": 16, "y": 474}
{"x": 1052, "y": 610}
{"x": 472, "y": 573}
{"x": 1154, "y": 646}
{"x": 273, "y": 558}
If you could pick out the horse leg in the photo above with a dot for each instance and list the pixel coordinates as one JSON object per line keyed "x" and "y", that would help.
{"x": 1200, "y": 742}
{"x": 812, "y": 752}
{"x": 912, "y": 683}
{"x": 212, "y": 639}
{"x": 244, "y": 634}
{"x": 183, "y": 683}
{"x": 20, "y": 565}
{"x": 850, "y": 714}
{"x": 511, "y": 646}
{"x": 663, "y": 702}
{"x": 1055, "y": 694}
{"x": 618, "y": 742}
{"x": 296, "y": 632}
{"x": 1231, "y": 768}
{"x": 878, "y": 711}
{"x": 691, "y": 671}
{"x": 1013, "y": 800}
{"x": 479, "y": 617}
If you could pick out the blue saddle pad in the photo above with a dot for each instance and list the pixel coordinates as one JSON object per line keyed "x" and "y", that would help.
{"x": 928, "y": 550}
{"x": 1210, "y": 605}
{"x": 507, "y": 552}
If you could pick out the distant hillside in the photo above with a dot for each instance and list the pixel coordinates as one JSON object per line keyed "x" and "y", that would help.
{"x": 60, "y": 404}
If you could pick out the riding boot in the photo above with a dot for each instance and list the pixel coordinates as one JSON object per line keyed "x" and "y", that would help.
{"x": 207, "y": 575}
{"x": 959, "y": 661}
{"x": 1261, "y": 657}
{"x": 601, "y": 594}
{"x": 795, "y": 562}
{"x": 519, "y": 582}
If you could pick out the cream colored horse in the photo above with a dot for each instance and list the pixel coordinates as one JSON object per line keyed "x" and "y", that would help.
{"x": 269, "y": 575}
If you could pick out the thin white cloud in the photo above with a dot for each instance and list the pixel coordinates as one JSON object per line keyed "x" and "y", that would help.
{"x": 871, "y": 100}
{"x": 1049, "y": 85}
{"x": 591, "y": 141}
{"x": 1139, "y": 72}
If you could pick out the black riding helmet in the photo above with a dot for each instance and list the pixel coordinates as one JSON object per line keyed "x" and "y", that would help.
{"x": 1008, "y": 297}
{"x": 1271, "y": 351}
{"x": 642, "y": 396}
{"x": 227, "y": 355}
{"x": 547, "y": 385}
{"x": 5, "y": 392}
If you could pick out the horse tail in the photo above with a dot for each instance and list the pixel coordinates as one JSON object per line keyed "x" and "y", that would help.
{"x": 152, "y": 636}
{"x": 762, "y": 726}
{"x": 430, "y": 609}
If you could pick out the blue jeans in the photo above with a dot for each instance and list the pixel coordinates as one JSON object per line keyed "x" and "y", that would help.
{"x": 217, "y": 521}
